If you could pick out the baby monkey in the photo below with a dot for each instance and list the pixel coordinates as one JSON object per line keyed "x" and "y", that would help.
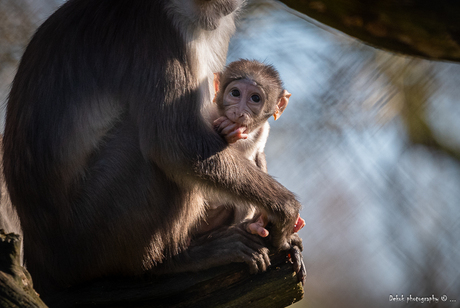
{"x": 248, "y": 93}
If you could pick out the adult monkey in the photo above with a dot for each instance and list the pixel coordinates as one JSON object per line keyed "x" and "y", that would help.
{"x": 107, "y": 156}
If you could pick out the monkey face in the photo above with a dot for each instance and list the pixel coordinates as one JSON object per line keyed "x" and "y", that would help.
{"x": 243, "y": 102}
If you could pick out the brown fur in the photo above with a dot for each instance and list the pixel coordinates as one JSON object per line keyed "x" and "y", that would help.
{"x": 107, "y": 156}
{"x": 265, "y": 75}
{"x": 267, "y": 78}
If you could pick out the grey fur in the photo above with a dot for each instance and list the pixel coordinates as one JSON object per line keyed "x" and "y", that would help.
{"x": 107, "y": 156}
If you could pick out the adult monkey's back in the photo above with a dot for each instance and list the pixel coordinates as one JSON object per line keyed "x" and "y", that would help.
{"x": 107, "y": 156}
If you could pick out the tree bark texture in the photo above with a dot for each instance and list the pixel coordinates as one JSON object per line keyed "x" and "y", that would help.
{"x": 424, "y": 28}
{"x": 16, "y": 290}
{"x": 226, "y": 286}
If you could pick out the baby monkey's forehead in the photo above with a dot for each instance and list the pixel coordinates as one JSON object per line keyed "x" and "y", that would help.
{"x": 247, "y": 82}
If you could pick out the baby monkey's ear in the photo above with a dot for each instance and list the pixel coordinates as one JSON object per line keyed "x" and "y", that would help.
{"x": 282, "y": 104}
{"x": 216, "y": 85}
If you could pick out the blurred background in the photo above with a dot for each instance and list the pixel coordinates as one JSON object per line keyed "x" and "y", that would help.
{"x": 370, "y": 143}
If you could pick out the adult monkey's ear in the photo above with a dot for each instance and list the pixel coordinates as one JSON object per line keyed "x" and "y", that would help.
{"x": 282, "y": 104}
{"x": 216, "y": 84}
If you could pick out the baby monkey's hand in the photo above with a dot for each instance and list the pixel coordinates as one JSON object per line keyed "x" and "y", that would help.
{"x": 230, "y": 131}
{"x": 258, "y": 227}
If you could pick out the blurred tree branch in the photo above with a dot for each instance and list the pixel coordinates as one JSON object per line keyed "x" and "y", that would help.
{"x": 415, "y": 80}
{"x": 414, "y": 115}
{"x": 429, "y": 28}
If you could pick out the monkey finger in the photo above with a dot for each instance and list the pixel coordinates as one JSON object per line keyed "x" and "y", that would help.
{"x": 236, "y": 253}
{"x": 219, "y": 120}
{"x": 231, "y": 139}
{"x": 302, "y": 274}
{"x": 295, "y": 257}
{"x": 258, "y": 261}
{"x": 241, "y": 131}
{"x": 262, "y": 260}
{"x": 296, "y": 241}
{"x": 262, "y": 232}
{"x": 252, "y": 228}
{"x": 222, "y": 122}
{"x": 242, "y": 136}
{"x": 297, "y": 264}
{"x": 256, "y": 228}
{"x": 235, "y": 135}
{"x": 253, "y": 242}
{"x": 265, "y": 253}
{"x": 227, "y": 127}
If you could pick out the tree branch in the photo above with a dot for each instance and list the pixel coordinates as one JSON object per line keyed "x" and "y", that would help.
{"x": 16, "y": 289}
{"x": 429, "y": 29}
{"x": 225, "y": 286}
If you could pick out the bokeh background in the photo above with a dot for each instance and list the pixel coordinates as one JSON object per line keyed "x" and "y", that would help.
{"x": 370, "y": 143}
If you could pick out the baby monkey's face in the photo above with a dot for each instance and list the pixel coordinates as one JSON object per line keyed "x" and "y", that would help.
{"x": 243, "y": 103}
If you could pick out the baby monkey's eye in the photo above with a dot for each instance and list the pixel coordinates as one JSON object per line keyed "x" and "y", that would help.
{"x": 255, "y": 98}
{"x": 235, "y": 93}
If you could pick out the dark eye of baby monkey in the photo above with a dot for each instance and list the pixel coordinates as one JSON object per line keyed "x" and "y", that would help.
{"x": 235, "y": 93}
{"x": 255, "y": 98}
